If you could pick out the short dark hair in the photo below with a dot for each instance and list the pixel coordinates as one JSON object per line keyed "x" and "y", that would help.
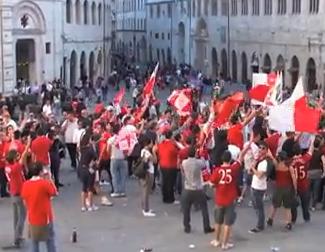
{"x": 17, "y": 134}
{"x": 192, "y": 151}
{"x": 262, "y": 144}
{"x": 226, "y": 156}
{"x": 36, "y": 169}
{"x": 11, "y": 156}
{"x": 169, "y": 134}
{"x": 296, "y": 150}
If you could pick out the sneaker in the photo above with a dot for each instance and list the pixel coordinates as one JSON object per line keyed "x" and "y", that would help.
{"x": 148, "y": 214}
{"x": 254, "y": 231}
{"x": 240, "y": 200}
{"x": 250, "y": 203}
{"x": 269, "y": 222}
{"x": 115, "y": 195}
{"x": 215, "y": 243}
{"x": 83, "y": 209}
{"x": 176, "y": 202}
{"x": 95, "y": 208}
{"x": 122, "y": 195}
{"x": 106, "y": 202}
{"x": 227, "y": 246}
{"x": 313, "y": 209}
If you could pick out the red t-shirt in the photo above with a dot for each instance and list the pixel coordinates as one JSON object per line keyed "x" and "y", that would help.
{"x": 168, "y": 154}
{"x": 225, "y": 179}
{"x": 235, "y": 135}
{"x": 183, "y": 153}
{"x": 102, "y": 146}
{"x": 273, "y": 142}
{"x": 2, "y": 155}
{"x": 283, "y": 179}
{"x": 300, "y": 164}
{"x": 99, "y": 107}
{"x": 37, "y": 194}
{"x": 15, "y": 177}
{"x": 40, "y": 148}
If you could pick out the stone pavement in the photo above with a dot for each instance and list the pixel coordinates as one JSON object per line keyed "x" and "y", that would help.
{"x": 122, "y": 228}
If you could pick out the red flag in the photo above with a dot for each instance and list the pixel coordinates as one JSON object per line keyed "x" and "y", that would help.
{"x": 259, "y": 92}
{"x": 303, "y": 111}
{"x": 119, "y": 96}
{"x": 148, "y": 88}
{"x": 181, "y": 100}
{"x": 227, "y": 108}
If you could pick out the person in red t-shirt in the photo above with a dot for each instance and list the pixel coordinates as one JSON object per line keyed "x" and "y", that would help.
{"x": 37, "y": 193}
{"x": 3, "y": 178}
{"x": 167, "y": 153}
{"x": 300, "y": 164}
{"x": 225, "y": 179}
{"x": 15, "y": 175}
{"x": 40, "y": 149}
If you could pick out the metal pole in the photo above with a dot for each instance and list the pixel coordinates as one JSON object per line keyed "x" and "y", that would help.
{"x": 189, "y": 34}
{"x": 228, "y": 41}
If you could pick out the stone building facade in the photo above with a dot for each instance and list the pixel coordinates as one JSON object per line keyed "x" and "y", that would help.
{"x": 264, "y": 35}
{"x": 46, "y": 39}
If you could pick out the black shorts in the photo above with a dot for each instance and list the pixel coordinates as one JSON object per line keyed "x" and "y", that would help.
{"x": 283, "y": 196}
{"x": 225, "y": 215}
{"x": 87, "y": 180}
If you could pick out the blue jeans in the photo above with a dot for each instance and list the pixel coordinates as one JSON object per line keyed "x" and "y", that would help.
{"x": 50, "y": 243}
{"x": 258, "y": 203}
{"x": 119, "y": 170}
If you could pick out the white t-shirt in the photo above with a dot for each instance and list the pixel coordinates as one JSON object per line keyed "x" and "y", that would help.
{"x": 146, "y": 155}
{"x": 260, "y": 183}
{"x": 47, "y": 109}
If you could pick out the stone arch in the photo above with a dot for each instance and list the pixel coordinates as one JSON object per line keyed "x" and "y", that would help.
{"x": 73, "y": 69}
{"x": 224, "y": 64}
{"x": 215, "y": 64}
{"x": 143, "y": 46}
{"x": 169, "y": 56}
{"x": 280, "y": 65}
{"x": 99, "y": 63}
{"x": 294, "y": 71}
{"x": 201, "y": 28}
{"x": 33, "y": 13}
{"x": 267, "y": 64}
{"x": 244, "y": 67}
{"x": 311, "y": 75}
{"x": 181, "y": 42}
{"x": 91, "y": 67}
{"x": 234, "y": 65}
{"x": 255, "y": 64}
{"x": 83, "y": 66}
{"x": 100, "y": 14}
{"x": 138, "y": 52}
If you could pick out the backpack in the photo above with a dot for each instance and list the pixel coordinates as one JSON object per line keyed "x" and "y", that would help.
{"x": 140, "y": 168}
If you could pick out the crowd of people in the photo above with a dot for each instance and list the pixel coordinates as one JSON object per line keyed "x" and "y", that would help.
{"x": 243, "y": 160}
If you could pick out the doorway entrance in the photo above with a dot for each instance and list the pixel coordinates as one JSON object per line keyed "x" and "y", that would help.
{"x": 25, "y": 60}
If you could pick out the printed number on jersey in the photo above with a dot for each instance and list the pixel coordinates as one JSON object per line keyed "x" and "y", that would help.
{"x": 226, "y": 177}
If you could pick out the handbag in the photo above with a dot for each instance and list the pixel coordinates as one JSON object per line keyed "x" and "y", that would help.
{"x": 140, "y": 168}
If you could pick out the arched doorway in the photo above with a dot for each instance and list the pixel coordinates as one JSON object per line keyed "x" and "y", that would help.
{"x": 181, "y": 42}
{"x": 201, "y": 36}
{"x": 91, "y": 67}
{"x": 25, "y": 60}
{"x": 244, "y": 67}
{"x": 214, "y": 61}
{"x": 280, "y": 64}
{"x": 73, "y": 69}
{"x": 234, "y": 65}
{"x": 143, "y": 49}
{"x": 169, "y": 56}
{"x": 99, "y": 64}
{"x": 83, "y": 69}
{"x": 294, "y": 70}
{"x": 224, "y": 64}
{"x": 163, "y": 56}
{"x": 311, "y": 74}
{"x": 255, "y": 63}
{"x": 267, "y": 64}
{"x": 138, "y": 52}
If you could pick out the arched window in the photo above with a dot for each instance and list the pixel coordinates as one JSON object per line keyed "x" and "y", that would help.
{"x": 78, "y": 12}
{"x": 93, "y": 13}
{"x": 256, "y": 7}
{"x": 268, "y": 7}
{"x": 214, "y": 7}
{"x": 313, "y": 6}
{"x": 206, "y": 7}
{"x": 244, "y": 7}
{"x": 282, "y": 7}
{"x": 86, "y": 12}
{"x": 100, "y": 14}
{"x": 68, "y": 11}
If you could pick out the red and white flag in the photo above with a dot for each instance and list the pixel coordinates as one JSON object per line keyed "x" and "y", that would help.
{"x": 295, "y": 114}
{"x": 181, "y": 100}
{"x": 261, "y": 86}
{"x": 148, "y": 88}
{"x": 119, "y": 96}
{"x": 126, "y": 139}
{"x": 275, "y": 94}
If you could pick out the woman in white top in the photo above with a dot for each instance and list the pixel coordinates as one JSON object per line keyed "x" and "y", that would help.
{"x": 146, "y": 183}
